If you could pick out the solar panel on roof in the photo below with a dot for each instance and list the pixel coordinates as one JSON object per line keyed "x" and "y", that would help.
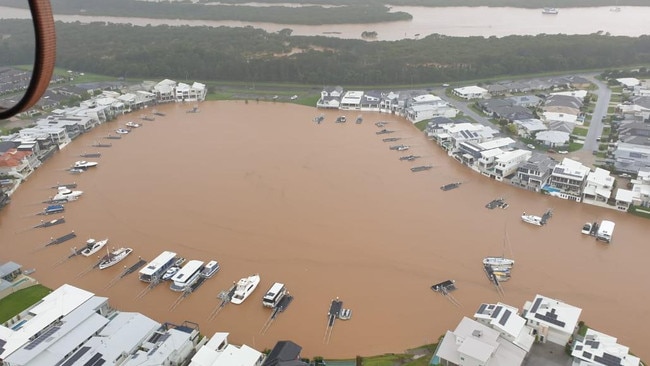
{"x": 42, "y": 337}
{"x": 586, "y": 354}
{"x": 482, "y": 308}
{"x": 551, "y": 320}
{"x": 93, "y": 360}
{"x": 77, "y": 355}
{"x": 608, "y": 360}
{"x": 538, "y": 301}
{"x": 496, "y": 311}
{"x": 504, "y": 318}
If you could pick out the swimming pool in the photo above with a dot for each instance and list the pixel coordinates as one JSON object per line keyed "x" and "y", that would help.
{"x": 19, "y": 282}
{"x": 19, "y": 324}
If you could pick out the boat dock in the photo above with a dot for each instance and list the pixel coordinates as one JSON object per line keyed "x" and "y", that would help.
{"x": 91, "y": 155}
{"x": 546, "y": 216}
{"x": 112, "y": 137}
{"x": 421, "y": 168}
{"x": 450, "y": 186}
{"x": 50, "y": 223}
{"x": 225, "y": 297}
{"x": 61, "y": 239}
{"x": 489, "y": 271}
{"x": 279, "y": 308}
{"x": 141, "y": 262}
{"x": 159, "y": 113}
{"x": 499, "y": 202}
{"x": 319, "y": 119}
{"x": 445, "y": 288}
{"x": 99, "y": 144}
{"x": 66, "y": 185}
{"x": 332, "y": 314}
{"x": 384, "y": 131}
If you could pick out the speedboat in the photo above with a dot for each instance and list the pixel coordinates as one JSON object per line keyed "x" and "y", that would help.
{"x": 498, "y": 262}
{"x": 82, "y": 164}
{"x": 402, "y": 148}
{"x": 93, "y": 246}
{"x": 171, "y": 271}
{"x": 76, "y": 170}
{"x": 341, "y": 119}
{"x": 132, "y": 124}
{"x": 532, "y": 219}
{"x": 66, "y": 194}
{"x": 114, "y": 257}
{"x": 586, "y": 228}
{"x": 122, "y": 131}
{"x": 210, "y": 269}
{"x": 244, "y": 288}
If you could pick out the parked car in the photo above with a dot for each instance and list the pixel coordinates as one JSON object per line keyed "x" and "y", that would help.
{"x": 563, "y": 152}
{"x": 531, "y": 146}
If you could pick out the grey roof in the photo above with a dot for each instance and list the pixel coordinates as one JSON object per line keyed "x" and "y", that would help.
{"x": 285, "y": 353}
{"x": 642, "y": 101}
{"x": 8, "y": 268}
{"x": 563, "y": 101}
{"x": 540, "y": 163}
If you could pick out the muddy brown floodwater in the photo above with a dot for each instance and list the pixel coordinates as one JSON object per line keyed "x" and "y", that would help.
{"x": 329, "y": 210}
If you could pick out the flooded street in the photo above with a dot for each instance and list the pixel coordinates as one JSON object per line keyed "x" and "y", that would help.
{"x": 329, "y": 210}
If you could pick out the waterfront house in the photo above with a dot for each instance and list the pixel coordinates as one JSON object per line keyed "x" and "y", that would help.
{"x": 330, "y": 97}
{"x": 487, "y": 160}
{"x": 190, "y": 93}
{"x": 631, "y": 158}
{"x": 624, "y": 199}
{"x": 534, "y": 173}
{"x": 507, "y": 163}
{"x": 428, "y": 106}
{"x": 473, "y": 343}
{"x": 18, "y": 164}
{"x": 641, "y": 188}
{"x": 164, "y": 91}
{"x": 553, "y": 138}
{"x": 567, "y": 180}
{"x": 73, "y": 327}
{"x": 471, "y": 92}
{"x": 527, "y": 128}
{"x": 598, "y": 187}
{"x": 219, "y": 352}
{"x": 553, "y": 320}
{"x": 600, "y": 349}
{"x": 284, "y": 353}
{"x": 351, "y": 100}
{"x": 506, "y": 320}
{"x": 370, "y": 101}
{"x": 11, "y": 276}
{"x": 435, "y": 126}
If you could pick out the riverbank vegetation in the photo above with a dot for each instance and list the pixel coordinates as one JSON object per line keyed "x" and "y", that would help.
{"x": 254, "y": 56}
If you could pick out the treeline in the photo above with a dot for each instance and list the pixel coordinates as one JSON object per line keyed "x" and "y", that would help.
{"x": 306, "y": 15}
{"x": 249, "y": 54}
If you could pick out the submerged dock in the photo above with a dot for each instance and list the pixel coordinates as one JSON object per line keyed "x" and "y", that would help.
{"x": 225, "y": 297}
{"x": 499, "y": 202}
{"x": 44, "y": 224}
{"x": 279, "y": 308}
{"x": 445, "y": 288}
{"x": 333, "y": 313}
{"x": 91, "y": 155}
{"x": 450, "y": 186}
{"x": 61, "y": 239}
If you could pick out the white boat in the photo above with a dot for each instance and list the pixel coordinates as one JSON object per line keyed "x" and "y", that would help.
{"x": 66, "y": 194}
{"x": 83, "y": 164}
{"x": 132, "y": 124}
{"x": 532, "y": 219}
{"x": 210, "y": 269}
{"x": 122, "y": 131}
{"x": 274, "y": 295}
{"x": 93, "y": 246}
{"x": 498, "y": 262}
{"x": 171, "y": 271}
{"x": 551, "y": 11}
{"x": 114, "y": 257}
{"x": 244, "y": 288}
{"x": 586, "y": 228}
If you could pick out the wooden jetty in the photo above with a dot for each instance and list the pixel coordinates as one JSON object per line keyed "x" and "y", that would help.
{"x": 225, "y": 297}
{"x": 546, "y": 216}
{"x": 91, "y": 155}
{"x": 61, "y": 239}
{"x": 50, "y": 223}
{"x": 113, "y": 137}
{"x": 384, "y": 131}
{"x": 279, "y": 308}
{"x": 141, "y": 262}
{"x": 332, "y": 314}
{"x": 450, "y": 186}
{"x": 100, "y": 144}
{"x": 391, "y": 139}
{"x": 499, "y": 202}
{"x": 159, "y": 113}
{"x": 421, "y": 168}
{"x": 65, "y": 185}
{"x": 445, "y": 288}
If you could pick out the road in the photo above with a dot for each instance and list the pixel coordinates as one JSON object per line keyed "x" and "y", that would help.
{"x": 600, "y": 111}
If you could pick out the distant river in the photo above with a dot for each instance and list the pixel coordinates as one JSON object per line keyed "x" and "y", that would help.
{"x": 451, "y": 21}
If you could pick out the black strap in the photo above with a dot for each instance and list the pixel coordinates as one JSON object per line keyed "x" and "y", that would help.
{"x": 45, "y": 57}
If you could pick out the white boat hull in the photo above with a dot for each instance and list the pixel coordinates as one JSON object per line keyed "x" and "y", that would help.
{"x": 244, "y": 288}
{"x": 533, "y": 220}
{"x": 94, "y": 249}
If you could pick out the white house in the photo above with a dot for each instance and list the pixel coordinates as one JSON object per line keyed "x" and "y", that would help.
{"x": 351, "y": 100}
{"x": 218, "y": 352}
{"x": 629, "y": 82}
{"x": 581, "y": 94}
{"x": 330, "y": 98}
{"x": 624, "y": 199}
{"x": 600, "y": 349}
{"x": 560, "y": 117}
{"x": 471, "y": 92}
{"x": 507, "y": 163}
{"x": 598, "y": 187}
{"x": 506, "y": 320}
{"x": 19, "y": 164}
{"x": 567, "y": 180}
{"x": 423, "y": 111}
{"x": 553, "y": 320}
{"x": 529, "y": 127}
{"x": 164, "y": 91}
{"x": 475, "y": 344}
{"x": 641, "y": 189}
{"x": 553, "y": 138}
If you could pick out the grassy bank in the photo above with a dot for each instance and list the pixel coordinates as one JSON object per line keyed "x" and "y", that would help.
{"x": 20, "y": 300}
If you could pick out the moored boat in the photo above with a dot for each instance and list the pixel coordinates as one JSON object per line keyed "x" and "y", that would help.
{"x": 244, "y": 288}
{"x": 132, "y": 124}
{"x": 170, "y": 272}
{"x": 421, "y": 168}
{"x": 114, "y": 257}
{"x": 52, "y": 209}
{"x": 66, "y": 194}
{"x": 210, "y": 269}
{"x": 122, "y": 131}
{"x": 93, "y": 246}
{"x": 532, "y": 219}
{"x": 83, "y": 164}
{"x": 498, "y": 261}
{"x": 450, "y": 186}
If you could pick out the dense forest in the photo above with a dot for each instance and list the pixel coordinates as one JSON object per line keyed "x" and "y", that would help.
{"x": 317, "y": 13}
{"x": 249, "y": 54}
